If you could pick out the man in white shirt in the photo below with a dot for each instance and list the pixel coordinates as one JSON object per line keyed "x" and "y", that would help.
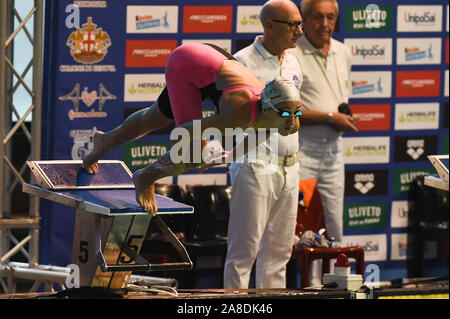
{"x": 326, "y": 67}
{"x": 264, "y": 200}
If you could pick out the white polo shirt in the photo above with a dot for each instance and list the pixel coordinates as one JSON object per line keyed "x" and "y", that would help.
{"x": 266, "y": 67}
{"x": 325, "y": 81}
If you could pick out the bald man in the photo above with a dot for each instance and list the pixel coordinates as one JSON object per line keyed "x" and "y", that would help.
{"x": 264, "y": 197}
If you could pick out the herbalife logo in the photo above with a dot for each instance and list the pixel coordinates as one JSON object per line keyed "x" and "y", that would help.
{"x": 425, "y": 18}
{"x": 364, "y": 182}
{"x": 148, "y": 22}
{"x": 146, "y": 88}
{"x": 252, "y": 19}
{"x": 417, "y": 116}
{"x": 415, "y": 148}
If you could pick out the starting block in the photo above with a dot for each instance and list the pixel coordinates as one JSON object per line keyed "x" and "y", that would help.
{"x": 440, "y": 163}
{"x": 110, "y": 226}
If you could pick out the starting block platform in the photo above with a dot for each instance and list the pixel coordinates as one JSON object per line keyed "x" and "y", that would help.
{"x": 440, "y": 163}
{"x": 110, "y": 225}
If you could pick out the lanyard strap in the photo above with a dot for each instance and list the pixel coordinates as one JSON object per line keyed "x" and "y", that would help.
{"x": 322, "y": 68}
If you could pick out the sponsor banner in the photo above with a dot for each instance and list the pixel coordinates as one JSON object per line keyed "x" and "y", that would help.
{"x": 375, "y": 245}
{"x": 88, "y": 46}
{"x": 247, "y": 20}
{"x": 414, "y": 148}
{"x": 416, "y": 116}
{"x": 221, "y": 43}
{"x": 371, "y": 117}
{"x": 137, "y": 155}
{"x": 143, "y": 87}
{"x": 82, "y": 142}
{"x": 202, "y": 179}
{"x": 446, "y": 50}
{"x": 148, "y": 53}
{"x": 425, "y": 18}
{"x": 152, "y": 19}
{"x": 399, "y": 213}
{"x": 404, "y": 176}
{"x": 367, "y": 215}
{"x": 368, "y": 51}
{"x": 399, "y": 246}
{"x": 419, "y": 51}
{"x": 207, "y": 19}
{"x": 366, "y": 182}
{"x": 418, "y": 83}
{"x": 372, "y": 84}
{"x": 364, "y": 150}
{"x": 87, "y": 102}
{"x": 368, "y": 18}
{"x": 446, "y": 83}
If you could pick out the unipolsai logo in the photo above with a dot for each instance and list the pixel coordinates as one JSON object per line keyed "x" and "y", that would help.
{"x": 426, "y": 17}
{"x": 373, "y": 51}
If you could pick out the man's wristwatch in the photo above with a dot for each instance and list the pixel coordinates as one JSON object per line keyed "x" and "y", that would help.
{"x": 330, "y": 117}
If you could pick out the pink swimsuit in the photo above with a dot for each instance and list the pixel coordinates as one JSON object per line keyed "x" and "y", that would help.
{"x": 192, "y": 67}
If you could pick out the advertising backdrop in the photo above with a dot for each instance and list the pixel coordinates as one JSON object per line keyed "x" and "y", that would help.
{"x": 105, "y": 60}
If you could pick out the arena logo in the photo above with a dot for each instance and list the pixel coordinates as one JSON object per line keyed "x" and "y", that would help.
{"x": 207, "y": 19}
{"x": 366, "y": 182}
{"x": 148, "y": 53}
{"x": 416, "y": 116}
{"x": 372, "y": 116}
{"x": 410, "y": 148}
{"x": 418, "y": 83}
{"x": 88, "y": 98}
{"x": 152, "y": 19}
{"x": 419, "y": 18}
{"x": 143, "y": 87}
{"x": 370, "y": 84}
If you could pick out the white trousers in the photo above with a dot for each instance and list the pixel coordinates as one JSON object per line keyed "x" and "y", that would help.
{"x": 263, "y": 213}
{"x": 323, "y": 160}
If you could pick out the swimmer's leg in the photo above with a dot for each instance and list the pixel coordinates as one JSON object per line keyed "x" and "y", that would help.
{"x": 135, "y": 126}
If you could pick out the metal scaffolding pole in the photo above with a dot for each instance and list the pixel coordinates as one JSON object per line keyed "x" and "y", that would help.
{"x": 12, "y": 176}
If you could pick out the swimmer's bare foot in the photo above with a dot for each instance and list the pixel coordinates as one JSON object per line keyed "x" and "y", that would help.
{"x": 90, "y": 162}
{"x": 145, "y": 192}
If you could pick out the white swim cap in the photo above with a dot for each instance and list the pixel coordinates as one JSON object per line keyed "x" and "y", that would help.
{"x": 280, "y": 89}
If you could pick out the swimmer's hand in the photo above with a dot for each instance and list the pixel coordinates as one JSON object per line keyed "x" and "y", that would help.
{"x": 214, "y": 160}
